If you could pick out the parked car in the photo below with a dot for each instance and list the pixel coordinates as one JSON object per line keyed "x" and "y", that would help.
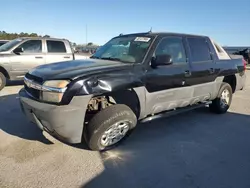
{"x": 243, "y": 51}
{"x": 18, "y": 56}
{"x": 100, "y": 100}
{"x": 2, "y": 42}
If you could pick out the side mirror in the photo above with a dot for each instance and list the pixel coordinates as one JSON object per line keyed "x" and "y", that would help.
{"x": 18, "y": 50}
{"x": 161, "y": 60}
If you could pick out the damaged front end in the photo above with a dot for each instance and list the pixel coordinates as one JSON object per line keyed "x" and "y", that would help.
{"x": 95, "y": 85}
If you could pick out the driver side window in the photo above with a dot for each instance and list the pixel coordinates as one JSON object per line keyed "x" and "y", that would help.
{"x": 174, "y": 47}
{"x": 32, "y": 46}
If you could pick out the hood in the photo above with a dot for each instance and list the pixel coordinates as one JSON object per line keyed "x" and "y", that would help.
{"x": 4, "y": 53}
{"x": 76, "y": 68}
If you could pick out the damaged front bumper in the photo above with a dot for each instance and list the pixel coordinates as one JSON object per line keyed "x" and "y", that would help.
{"x": 64, "y": 122}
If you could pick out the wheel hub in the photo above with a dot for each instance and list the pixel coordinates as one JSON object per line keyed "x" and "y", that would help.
{"x": 225, "y": 97}
{"x": 115, "y": 133}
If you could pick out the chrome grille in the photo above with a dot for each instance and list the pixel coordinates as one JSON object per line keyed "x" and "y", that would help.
{"x": 32, "y": 87}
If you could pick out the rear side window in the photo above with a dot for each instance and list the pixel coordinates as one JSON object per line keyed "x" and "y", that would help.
{"x": 199, "y": 49}
{"x": 56, "y": 46}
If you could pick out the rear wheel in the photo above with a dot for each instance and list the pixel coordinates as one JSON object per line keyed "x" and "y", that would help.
{"x": 222, "y": 103}
{"x": 2, "y": 81}
{"x": 109, "y": 127}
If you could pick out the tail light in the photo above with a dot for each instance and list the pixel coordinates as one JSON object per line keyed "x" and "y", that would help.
{"x": 245, "y": 64}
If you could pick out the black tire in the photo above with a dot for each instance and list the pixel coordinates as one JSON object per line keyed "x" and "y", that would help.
{"x": 2, "y": 81}
{"x": 216, "y": 106}
{"x": 103, "y": 120}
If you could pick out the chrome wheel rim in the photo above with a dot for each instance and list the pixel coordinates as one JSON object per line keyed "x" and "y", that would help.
{"x": 1, "y": 82}
{"x": 225, "y": 97}
{"x": 115, "y": 133}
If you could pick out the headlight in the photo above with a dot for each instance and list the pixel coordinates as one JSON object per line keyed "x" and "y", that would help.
{"x": 56, "y": 83}
{"x": 53, "y": 90}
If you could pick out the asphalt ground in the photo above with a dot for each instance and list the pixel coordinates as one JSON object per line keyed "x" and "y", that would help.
{"x": 192, "y": 150}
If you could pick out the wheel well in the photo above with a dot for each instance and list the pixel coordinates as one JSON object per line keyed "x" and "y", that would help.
{"x": 231, "y": 80}
{"x": 127, "y": 97}
{"x": 5, "y": 73}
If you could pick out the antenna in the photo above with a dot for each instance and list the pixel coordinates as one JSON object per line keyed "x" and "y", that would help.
{"x": 86, "y": 34}
{"x": 150, "y": 31}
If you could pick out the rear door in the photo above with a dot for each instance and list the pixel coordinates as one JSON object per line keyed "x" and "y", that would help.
{"x": 203, "y": 67}
{"x": 57, "y": 51}
{"x": 201, "y": 61}
{"x": 32, "y": 56}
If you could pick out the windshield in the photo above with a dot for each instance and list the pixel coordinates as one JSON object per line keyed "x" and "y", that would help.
{"x": 2, "y": 43}
{"x": 131, "y": 49}
{"x": 7, "y": 46}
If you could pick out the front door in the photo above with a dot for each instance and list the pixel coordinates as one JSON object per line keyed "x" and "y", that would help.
{"x": 31, "y": 57}
{"x": 165, "y": 85}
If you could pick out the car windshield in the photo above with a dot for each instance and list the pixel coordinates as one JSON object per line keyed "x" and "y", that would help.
{"x": 2, "y": 43}
{"x": 128, "y": 49}
{"x": 7, "y": 46}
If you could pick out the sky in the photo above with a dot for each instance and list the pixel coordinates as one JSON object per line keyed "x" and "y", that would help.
{"x": 226, "y": 21}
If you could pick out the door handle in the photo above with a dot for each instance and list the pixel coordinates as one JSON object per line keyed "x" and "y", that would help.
{"x": 187, "y": 73}
{"x": 66, "y": 57}
{"x": 38, "y": 57}
{"x": 211, "y": 70}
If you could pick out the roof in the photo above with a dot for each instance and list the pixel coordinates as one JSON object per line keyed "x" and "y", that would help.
{"x": 163, "y": 34}
{"x": 40, "y": 38}
{"x": 235, "y": 47}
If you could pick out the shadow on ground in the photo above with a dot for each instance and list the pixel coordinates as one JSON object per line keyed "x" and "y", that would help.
{"x": 13, "y": 121}
{"x": 197, "y": 149}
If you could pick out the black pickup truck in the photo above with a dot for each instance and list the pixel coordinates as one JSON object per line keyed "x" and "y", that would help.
{"x": 132, "y": 78}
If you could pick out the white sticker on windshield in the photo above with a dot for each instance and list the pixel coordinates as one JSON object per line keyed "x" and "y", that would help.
{"x": 142, "y": 39}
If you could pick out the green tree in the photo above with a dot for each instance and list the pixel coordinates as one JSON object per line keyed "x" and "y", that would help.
{"x": 10, "y": 36}
{"x": 33, "y": 35}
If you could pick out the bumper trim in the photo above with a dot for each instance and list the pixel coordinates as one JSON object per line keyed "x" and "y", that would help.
{"x": 64, "y": 122}
{"x": 43, "y": 128}
{"x": 39, "y": 124}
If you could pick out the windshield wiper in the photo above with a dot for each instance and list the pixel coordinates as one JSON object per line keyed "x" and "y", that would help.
{"x": 94, "y": 57}
{"x": 111, "y": 58}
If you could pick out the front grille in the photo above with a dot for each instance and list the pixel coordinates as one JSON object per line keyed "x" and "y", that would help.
{"x": 34, "y": 78}
{"x": 33, "y": 92}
